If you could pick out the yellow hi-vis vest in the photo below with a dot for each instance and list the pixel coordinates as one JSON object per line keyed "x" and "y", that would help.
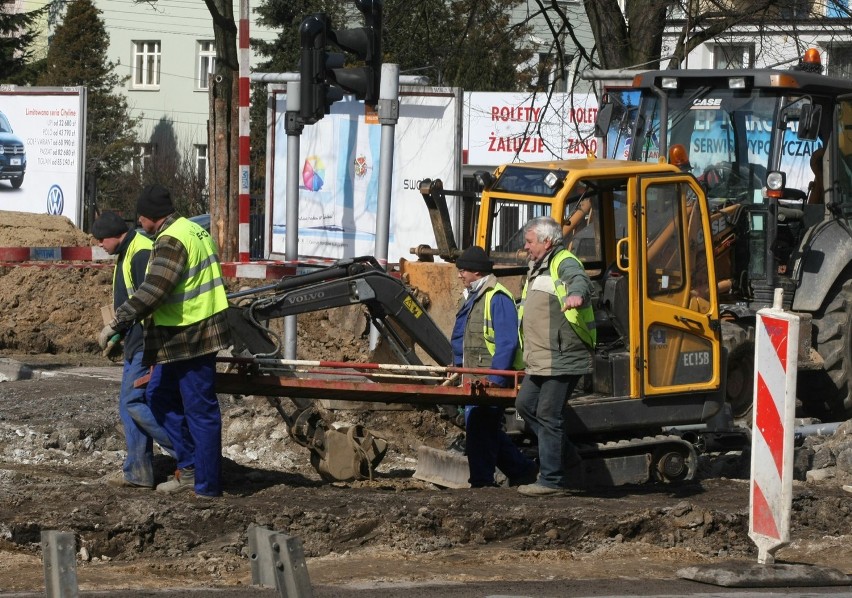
{"x": 582, "y": 319}
{"x": 139, "y": 243}
{"x": 201, "y": 291}
{"x": 488, "y": 327}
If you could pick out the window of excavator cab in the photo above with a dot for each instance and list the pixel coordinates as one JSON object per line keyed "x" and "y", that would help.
{"x": 580, "y": 231}
{"x": 677, "y": 271}
{"x": 665, "y": 269}
{"x": 526, "y": 181}
{"x": 583, "y": 221}
{"x": 507, "y": 231}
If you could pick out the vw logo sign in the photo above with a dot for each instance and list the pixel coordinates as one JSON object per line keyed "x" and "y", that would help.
{"x": 55, "y": 200}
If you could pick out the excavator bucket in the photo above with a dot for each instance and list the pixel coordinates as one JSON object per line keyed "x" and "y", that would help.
{"x": 438, "y": 288}
{"x": 447, "y": 469}
{"x": 347, "y": 454}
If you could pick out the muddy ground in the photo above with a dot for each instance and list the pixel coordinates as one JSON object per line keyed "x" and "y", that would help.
{"x": 60, "y": 437}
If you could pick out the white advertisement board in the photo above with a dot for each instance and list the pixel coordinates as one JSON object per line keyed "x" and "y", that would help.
{"x": 43, "y": 138}
{"x": 339, "y": 175}
{"x": 521, "y": 127}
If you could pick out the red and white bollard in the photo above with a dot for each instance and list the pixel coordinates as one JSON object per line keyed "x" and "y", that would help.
{"x": 771, "y": 496}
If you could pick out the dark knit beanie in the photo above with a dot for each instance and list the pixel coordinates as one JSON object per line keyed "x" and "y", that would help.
{"x": 109, "y": 224}
{"x": 154, "y": 202}
{"x": 474, "y": 259}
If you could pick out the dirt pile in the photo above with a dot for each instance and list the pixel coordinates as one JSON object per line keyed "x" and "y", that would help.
{"x": 55, "y": 308}
{"x": 22, "y": 229}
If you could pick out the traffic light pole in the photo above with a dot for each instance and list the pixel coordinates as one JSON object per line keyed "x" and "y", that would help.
{"x": 388, "y": 108}
{"x": 293, "y": 126}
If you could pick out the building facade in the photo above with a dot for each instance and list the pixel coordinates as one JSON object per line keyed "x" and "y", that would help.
{"x": 165, "y": 49}
{"x": 779, "y": 39}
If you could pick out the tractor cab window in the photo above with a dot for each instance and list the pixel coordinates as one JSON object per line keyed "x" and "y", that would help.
{"x": 842, "y": 191}
{"x": 731, "y": 136}
{"x": 514, "y": 201}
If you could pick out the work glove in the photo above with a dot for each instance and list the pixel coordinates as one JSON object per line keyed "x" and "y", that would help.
{"x": 106, "y": 335}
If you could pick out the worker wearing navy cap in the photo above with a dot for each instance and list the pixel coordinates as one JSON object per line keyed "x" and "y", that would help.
{"x": 485, "y": 335}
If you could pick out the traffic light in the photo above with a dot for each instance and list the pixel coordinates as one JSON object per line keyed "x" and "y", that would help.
{"x": 322, "y": 74}
{"x": 366, "y": 43}
{"x": 316, "y": 95}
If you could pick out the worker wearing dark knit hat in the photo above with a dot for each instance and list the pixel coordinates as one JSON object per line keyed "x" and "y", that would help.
{"x": 154, "y": 202}
{"x": 108, "y": 224}
{"x": 184, "y": 299}
{"x": 485, "y": 335}
{"x": 132, "y": 250}
{"x": 474, "y": 259}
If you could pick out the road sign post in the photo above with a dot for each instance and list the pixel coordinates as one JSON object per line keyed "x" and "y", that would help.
{"x": 771, "y": 487}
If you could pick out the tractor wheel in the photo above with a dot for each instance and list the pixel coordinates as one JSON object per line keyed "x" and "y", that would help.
{"x": 739, "y": 385}
{"x": 829, "y": 393}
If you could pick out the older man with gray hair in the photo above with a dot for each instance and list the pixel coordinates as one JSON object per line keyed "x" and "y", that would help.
{"x": 557, "y": 324}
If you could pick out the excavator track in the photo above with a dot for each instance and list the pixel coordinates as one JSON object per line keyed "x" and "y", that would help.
{"x": 663, "y": 458}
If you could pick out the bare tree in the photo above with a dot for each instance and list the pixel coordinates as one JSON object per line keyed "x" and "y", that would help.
{"x": 634, "y": 37}
{"x": 223, "y": 130}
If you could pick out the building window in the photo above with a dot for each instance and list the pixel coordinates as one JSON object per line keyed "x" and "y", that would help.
{"x": 206, "y": 63}
{"x": 141, "y": 157}
{"x": 544, "y": 69}
{"x": 201, "y": 164}
{"x": 796, "y": 9}
{"x": 839, "y": 61}
{"x": 733, "y": 56}
{"x": 675, "y": 12}
{"x": 146, "y": 64}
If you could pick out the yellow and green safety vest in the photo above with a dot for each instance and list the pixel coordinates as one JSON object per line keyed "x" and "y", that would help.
{"x": 582, "y": 319}
{"x": 139, "y": 243}
{"x": 201, "y": 290}
{"x": 488, "y": 326}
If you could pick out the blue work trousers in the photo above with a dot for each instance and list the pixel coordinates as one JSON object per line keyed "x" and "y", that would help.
{"x": 541, "y": 402}
{"x": 488, "y": 446}
{"x": 183, "y": 399}
{"x": 140, "y": 426}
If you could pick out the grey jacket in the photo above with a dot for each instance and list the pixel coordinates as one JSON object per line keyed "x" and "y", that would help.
{"x": 551, "y": 347}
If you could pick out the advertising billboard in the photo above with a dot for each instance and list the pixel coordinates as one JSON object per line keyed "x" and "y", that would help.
{"x": 42, "y": 137}
{"x": 500, "y": 128}
{"x": 339, "y": 175}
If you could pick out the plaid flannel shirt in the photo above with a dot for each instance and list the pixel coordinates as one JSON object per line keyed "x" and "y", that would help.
{"x": 164, "y": 344}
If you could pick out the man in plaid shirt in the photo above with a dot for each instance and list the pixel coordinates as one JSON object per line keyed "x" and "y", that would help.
{"x": 183, "y": 298}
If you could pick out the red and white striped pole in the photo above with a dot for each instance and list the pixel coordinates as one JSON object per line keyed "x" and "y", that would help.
{"x": 244, "y": 202}
{"x": 771, "y": 496}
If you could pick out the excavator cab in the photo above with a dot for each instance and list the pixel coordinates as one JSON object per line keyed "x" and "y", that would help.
{"x": 642, "y": 233}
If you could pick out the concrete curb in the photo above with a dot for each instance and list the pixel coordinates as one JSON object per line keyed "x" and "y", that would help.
{"x": 748, "y": 575}
{"x": 12, "y": 370}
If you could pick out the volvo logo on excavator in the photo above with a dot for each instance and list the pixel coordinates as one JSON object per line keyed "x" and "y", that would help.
{"x": 312, "y": 296}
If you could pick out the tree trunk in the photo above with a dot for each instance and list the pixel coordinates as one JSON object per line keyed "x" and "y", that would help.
{"x": 224, "y": 165}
